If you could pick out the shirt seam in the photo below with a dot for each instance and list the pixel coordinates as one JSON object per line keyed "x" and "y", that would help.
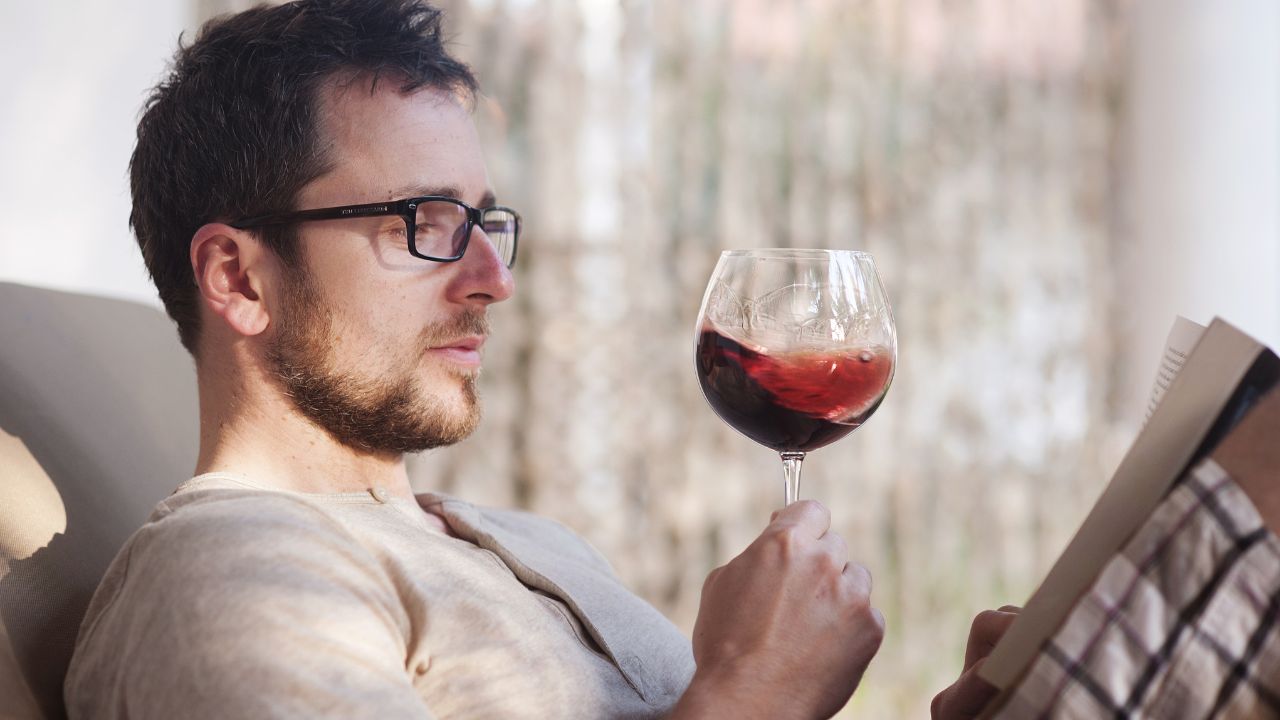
{"x": 362, "y": 497}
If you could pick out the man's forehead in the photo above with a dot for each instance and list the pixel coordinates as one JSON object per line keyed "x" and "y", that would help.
{"x": 396, "y": 144}
{"x": 353, "y": 112}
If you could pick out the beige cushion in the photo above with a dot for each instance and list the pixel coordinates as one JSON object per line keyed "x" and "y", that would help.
{"x": 97, "y": 423}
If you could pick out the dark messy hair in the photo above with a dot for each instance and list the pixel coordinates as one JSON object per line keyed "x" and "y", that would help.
{"x": 233, "y": 130}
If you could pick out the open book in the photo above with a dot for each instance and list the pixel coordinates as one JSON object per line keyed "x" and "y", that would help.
{"x": 1207, "y": 380}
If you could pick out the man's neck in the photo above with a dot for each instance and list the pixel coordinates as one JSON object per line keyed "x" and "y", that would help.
{"x": 261, "y": 435}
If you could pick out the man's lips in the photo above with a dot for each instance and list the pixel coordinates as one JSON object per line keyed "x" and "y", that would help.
{"x": 464, "y": 351}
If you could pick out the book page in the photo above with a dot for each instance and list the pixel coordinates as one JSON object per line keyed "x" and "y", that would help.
{"x": 1183, "y": 336}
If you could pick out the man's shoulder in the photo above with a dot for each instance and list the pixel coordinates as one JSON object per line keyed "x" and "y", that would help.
{"x": 222, "y": 519}
{"x": 204, "y": 537}
{"x": 235, "y": 546}
{"x": 223, "y": 579}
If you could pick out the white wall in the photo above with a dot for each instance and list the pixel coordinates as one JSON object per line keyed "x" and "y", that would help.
{"x": 1201, "y": 232}
{"x": 76, "y": 74}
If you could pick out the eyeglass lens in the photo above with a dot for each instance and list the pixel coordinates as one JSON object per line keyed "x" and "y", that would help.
{"x": 441, "y": 230}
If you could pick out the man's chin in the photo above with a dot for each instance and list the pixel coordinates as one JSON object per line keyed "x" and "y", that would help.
{"x": 453, "y": 418}
{"x": 444, "y": 435}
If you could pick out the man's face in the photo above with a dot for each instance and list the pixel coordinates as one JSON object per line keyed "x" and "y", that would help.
{"x": 376, "y": 346}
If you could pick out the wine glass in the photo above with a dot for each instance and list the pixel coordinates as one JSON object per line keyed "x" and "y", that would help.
{"x": 795, "y": 348}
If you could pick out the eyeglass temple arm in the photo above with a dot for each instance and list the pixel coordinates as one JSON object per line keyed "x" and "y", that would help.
{"x": 346, "y": 211}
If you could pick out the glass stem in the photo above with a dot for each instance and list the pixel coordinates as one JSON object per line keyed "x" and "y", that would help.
{"x": 791, "y": 475}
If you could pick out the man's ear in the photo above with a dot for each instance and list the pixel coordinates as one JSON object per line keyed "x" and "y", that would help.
{"x": 232, "y": 267}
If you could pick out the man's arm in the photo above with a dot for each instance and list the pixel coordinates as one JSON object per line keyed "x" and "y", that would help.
{"x": 786, "y": 629}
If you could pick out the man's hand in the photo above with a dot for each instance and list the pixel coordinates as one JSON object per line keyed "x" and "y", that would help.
{"x": 970, "y": 694}
{"x": 786, "y": 629}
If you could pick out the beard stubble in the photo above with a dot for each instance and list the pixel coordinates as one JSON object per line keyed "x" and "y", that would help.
{"x": 389, "y": 414}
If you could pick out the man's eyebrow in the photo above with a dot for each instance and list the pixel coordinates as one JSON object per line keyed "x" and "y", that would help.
{"x": 449, "y": 191}
{"x": 406, "y": 191}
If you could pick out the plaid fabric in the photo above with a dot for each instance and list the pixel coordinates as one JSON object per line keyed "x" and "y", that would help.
{"x": 1182, "y": 623}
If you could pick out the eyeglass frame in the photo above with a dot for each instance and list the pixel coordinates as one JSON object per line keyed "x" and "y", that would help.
{"x": 406, "y": 209}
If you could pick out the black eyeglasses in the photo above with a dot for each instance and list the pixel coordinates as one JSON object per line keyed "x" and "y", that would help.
{"x": 437, "y": 228}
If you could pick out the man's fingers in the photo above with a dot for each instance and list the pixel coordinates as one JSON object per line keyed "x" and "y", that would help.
{"x": 711, "y": 579}
{"x": 988, "y": 627}
{"x": 966, "y": 698}
{"x": 811, "y": 517}
{"x": 970, "y": 694}
{"x": 859, "y": 577}
{"x": 836, "y": 547}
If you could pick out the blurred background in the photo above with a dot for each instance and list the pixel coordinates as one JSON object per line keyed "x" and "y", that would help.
{"x": 1043, "y": 185}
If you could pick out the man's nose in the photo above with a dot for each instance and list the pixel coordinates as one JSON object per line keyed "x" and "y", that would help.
{"x": 482, "y": 275}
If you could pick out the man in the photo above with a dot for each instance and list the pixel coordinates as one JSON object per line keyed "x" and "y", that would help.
{"x": 312, "y": 204}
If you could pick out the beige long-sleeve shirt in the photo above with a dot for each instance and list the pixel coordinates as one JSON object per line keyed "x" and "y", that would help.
{"x": 238, "y": 601}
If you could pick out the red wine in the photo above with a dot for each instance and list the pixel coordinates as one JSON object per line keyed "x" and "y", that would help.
{"x": 794, "y": 401}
